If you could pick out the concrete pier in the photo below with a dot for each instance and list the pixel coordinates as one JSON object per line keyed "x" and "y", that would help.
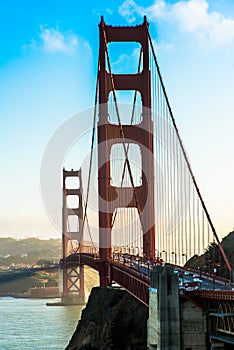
{"x": 193, "y": 326}
{"x": 164, "y": 310}
{"x": 73, "y": 300}
{"x": 175, "y": 323}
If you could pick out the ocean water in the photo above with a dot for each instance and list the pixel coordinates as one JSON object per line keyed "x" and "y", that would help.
{"x": 28, "y": 324}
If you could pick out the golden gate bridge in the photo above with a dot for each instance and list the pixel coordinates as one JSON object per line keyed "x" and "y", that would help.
{"x": 150, "y": 209}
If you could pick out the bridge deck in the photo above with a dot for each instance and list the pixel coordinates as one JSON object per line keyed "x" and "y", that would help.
{"x": 137, "y": 283}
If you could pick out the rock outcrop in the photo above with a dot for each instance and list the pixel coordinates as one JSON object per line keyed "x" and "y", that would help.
{"x": 111, "y": 320}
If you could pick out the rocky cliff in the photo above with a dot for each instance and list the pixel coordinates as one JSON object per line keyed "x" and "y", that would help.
{"x": 111, "y": 320}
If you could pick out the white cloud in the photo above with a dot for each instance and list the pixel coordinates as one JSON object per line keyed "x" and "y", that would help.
{"x": 109, "y": 11}
{"x": 127, "y": 62}
{"x": 54, "y": 40}
{"x": 209, "y": 28}
{"x": 128, "y": 9}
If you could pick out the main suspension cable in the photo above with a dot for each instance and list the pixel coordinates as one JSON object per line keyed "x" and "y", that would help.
{"x": 90, "y": 162}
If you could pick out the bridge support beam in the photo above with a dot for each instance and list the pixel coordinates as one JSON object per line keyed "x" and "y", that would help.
{"x": 164, "y": 311}
{"x": 104, "y": 274}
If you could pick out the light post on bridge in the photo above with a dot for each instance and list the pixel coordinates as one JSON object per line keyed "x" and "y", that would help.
{"x": 148, "y": 268}
{"x": 158, "y": 260}
{"x": 138, "y": 250}
{"x": 164, "y": 251}
{"x": 157, "y": 254}
{"x": 138, "y": 263}
{"x": 215, "y": 266}
{"x": 174, "y": 253}
{"x": 213, "y": 274}
{"x": 185, "y": 256}
{"x": 196, "y": 256}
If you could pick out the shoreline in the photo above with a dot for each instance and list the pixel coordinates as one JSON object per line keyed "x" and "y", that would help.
{"x": 27, "y": 296}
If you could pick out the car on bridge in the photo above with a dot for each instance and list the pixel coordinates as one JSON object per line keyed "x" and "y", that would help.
{"x": 188, "y": 273}
{"x": 197, "y": 279}
{"x": 191, "y": 285}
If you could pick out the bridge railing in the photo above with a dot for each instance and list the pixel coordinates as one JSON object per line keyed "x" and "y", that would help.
{"x": 134, "y": 283}
{"x": 212, "y": 294}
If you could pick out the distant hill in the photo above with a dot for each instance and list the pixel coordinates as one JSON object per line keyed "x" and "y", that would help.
{"x": 212, "y": 258}
{"x": 29, "y": 251}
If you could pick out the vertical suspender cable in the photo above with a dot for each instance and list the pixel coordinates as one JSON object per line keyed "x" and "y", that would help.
{"x": 187, "y": 161}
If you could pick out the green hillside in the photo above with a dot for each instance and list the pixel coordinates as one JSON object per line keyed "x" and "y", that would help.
{"x": 29, "y": 251}
{"x": 212, "y": 259}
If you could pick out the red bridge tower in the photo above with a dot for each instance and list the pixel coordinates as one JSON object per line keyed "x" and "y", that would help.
{"x": 110, "y": 134}
{"x": 73, "y": 272}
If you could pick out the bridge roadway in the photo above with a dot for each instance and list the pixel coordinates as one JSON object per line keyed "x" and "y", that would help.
{"x": 134, "y": 275}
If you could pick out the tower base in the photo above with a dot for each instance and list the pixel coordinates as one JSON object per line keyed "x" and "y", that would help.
{"x": 73, "y": 300}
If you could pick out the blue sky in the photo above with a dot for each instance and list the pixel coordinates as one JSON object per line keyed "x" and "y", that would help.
{"x": 48, "y": 67}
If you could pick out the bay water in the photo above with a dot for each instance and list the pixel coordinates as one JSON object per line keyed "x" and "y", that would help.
{"x": 28, "y": 324}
